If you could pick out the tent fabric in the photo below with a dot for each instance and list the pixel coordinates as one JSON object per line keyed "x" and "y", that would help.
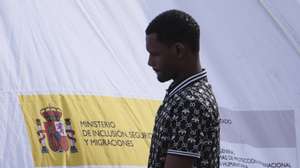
{"x": 95, "y": 50}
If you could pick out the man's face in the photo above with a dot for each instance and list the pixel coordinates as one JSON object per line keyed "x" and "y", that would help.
{"x": 161, "y": 58}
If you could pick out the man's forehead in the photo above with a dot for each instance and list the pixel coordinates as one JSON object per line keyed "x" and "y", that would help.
{"x": 151, "y": 41}
{"x": 151, "y": 37}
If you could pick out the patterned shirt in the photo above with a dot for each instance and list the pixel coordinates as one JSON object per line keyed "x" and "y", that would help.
{"x": 187, "y": 124}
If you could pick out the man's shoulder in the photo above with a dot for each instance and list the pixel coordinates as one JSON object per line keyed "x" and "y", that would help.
{"x": 198, "y": 94}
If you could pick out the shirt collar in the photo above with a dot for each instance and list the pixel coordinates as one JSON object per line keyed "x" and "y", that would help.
{"x": 174, "y": 88}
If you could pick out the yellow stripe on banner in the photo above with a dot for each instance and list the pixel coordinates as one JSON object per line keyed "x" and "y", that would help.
{"x": 71, "y": 130}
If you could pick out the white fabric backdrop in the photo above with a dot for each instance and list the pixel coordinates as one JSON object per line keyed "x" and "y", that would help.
{"x": 249, "y": 48}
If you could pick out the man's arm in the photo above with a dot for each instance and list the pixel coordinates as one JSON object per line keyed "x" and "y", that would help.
{"x": 177, "y": 161}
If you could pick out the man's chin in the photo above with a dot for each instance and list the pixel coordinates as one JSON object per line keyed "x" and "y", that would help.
{"x": 162, "y": 79}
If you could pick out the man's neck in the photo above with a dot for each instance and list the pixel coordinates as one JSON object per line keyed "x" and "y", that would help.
{"x": 190, "y": 71}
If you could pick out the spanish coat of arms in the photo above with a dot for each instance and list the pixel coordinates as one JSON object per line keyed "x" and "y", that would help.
{"x": 56, "y": 131}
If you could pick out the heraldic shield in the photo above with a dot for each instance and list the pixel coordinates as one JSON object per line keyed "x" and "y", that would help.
{"x": 57, "y": 134}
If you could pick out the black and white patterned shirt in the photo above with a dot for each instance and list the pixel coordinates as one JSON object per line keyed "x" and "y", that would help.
{"x": 187, "y": 124}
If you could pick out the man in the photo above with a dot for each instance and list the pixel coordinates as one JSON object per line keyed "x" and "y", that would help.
{"x": 186, "y": 131}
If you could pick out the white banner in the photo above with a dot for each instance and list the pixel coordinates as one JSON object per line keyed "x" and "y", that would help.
{"x": 55, "y": 48}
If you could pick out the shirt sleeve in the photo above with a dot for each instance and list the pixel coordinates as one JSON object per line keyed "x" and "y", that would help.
{"x": 188, "y": 123}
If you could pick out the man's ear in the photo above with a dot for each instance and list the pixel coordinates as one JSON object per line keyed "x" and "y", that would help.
{"x": 179, "y": 49}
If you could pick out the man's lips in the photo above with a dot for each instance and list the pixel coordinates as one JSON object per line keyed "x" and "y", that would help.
{"x": 156, "y": 70}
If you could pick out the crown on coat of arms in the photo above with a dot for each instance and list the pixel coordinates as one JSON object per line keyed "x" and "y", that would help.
{"x": 51, "y": 113}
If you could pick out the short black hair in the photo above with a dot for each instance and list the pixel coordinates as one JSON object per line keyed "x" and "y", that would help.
{"x": 175, "y": 26}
